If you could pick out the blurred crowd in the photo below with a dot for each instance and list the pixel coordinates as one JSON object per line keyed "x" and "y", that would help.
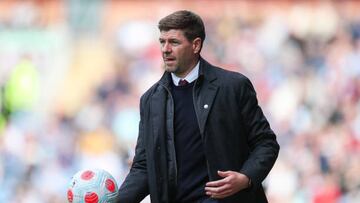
{"x": 70, "y": 92}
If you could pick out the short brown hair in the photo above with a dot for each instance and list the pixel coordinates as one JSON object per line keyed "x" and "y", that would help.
{"x": 190, "y": 23}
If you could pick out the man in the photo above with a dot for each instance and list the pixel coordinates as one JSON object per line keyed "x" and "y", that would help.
{"x": 202, "y": 136}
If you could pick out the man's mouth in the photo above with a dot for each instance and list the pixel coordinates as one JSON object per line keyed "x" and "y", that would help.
{"x": 169, "y": 59}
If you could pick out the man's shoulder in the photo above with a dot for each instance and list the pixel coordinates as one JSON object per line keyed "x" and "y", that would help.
{"x": 149, "y": 92}
{"x": 228, "y": 76}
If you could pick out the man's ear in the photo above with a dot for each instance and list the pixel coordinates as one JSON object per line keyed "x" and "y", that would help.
{"x": 197, "y": 45}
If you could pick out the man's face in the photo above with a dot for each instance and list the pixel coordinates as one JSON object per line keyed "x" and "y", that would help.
{"x": 179, "y": 54}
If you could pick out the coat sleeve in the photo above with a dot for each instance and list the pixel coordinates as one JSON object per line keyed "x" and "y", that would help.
{"x": 261, "y": 139}
{"x": 135, "y": 186}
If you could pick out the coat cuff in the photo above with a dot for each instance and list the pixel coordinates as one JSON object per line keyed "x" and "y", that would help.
{"x": 253, "y": 182}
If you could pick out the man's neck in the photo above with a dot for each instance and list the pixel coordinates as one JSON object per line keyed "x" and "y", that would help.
{"x": 190, "y": 77}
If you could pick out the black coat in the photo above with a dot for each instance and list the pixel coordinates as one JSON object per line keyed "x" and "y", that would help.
{"x": 235, "y": 133}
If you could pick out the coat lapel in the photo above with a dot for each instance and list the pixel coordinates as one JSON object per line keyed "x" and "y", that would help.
{"x": 204, "y": 104}
{"x": 205, "y": 93}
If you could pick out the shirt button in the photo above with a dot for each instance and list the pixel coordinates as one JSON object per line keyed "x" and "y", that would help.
{"x": 206, "y": 106}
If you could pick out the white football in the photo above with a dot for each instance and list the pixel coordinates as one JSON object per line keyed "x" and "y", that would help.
{"x": 92, "y": 186}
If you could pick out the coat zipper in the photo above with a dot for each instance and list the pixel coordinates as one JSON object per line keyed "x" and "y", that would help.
{"x": 201, "y": 134}
{"x": 172, "y": 127}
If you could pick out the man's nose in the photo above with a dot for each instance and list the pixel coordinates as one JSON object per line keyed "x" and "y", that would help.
{"x": 166, "y": 48}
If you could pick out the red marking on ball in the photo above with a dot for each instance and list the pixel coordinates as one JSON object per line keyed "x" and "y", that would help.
{"x": 91, "y": 197}
{"x": 70, "y": 195}
{"x": 110, "y": 185}
{"x": 87, "y": 175}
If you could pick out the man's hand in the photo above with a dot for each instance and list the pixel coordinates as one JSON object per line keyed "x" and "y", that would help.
{"x": 231, "y": 183}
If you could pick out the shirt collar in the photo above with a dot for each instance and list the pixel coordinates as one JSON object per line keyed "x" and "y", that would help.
{"x": 190, "y": 77}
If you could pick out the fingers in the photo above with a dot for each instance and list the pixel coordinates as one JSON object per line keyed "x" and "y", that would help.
{"x": 224, "y": 194}
{"x": 229, "y": 185}
{"x": 221, "y": 182}
{"x": 216, "y": 183}
{"x": 218, "y": 189}
{"x": 224, "y": 173}
{"x": 219, "y": 192}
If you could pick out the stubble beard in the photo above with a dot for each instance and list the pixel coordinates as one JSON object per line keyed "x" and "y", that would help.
{"x": 172, "y": 69}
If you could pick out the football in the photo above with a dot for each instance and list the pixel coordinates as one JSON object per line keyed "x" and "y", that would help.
{"x": 92, "y": 186}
